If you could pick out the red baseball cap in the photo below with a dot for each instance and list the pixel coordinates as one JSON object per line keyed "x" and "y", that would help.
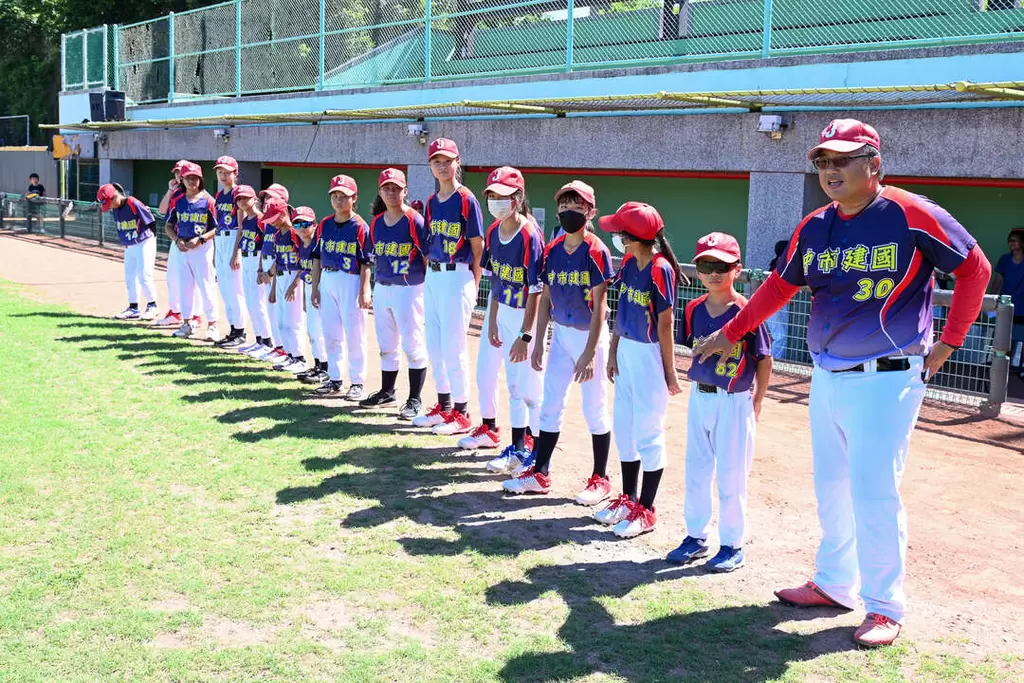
{"x": 178, "y": 166}
{"x": 274, "y": 210}
{"x": 417, "y": 205}
{"x": 343, "y": 184}
{"x": 304, "y": 214}
{"x": 228, "y": 163}
{"x": 505, "y": 181}
{"x": 188, "y": 168}
{"x": 393, "y": 176}
{"x": 245, "y": 191}
{"x": 720, "y": 246}
{"x": 586, "y": 192}
{"x": 636, "y": 219}
{"x": 106, "y": 195}
{"x": 443, "y": 147}
{"x": 276, "y": 190}
{"x": 846, "y": 135}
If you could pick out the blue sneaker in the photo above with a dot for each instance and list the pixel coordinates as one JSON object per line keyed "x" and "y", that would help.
{"x": 689, "y": 550}
{"x": 508, "y": 462}
{"x": 727, "y": 560}
{"x": 526, "y": 458}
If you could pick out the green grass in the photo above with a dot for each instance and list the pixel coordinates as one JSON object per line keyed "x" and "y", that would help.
{"x": 172, "y": 513}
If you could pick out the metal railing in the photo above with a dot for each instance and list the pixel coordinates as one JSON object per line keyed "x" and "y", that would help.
{"x": 85, "y": 58}
{"x": 244, "y": 47}
{"x": 976, "y": 374}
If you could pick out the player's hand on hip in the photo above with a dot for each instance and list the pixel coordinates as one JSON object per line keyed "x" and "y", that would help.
{"x": 314, "y": 297}
{"x": 715, "y": 345}
{"x": 936, "y": 359}
{"x": 236, "y": 261}
{"x": 494, "y": 336}
{"x": 672, "y": 382}
{"x": 584, "y": 370}
{"x": 519, "y": 351}
{"x": 613, "y": 368}
{"x": 537, "y": 358}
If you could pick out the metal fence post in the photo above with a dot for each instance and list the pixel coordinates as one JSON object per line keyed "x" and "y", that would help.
{"x": 60, "y": 222}
{"x": 117, "y": 56}
{"x": 28, "y": 214}
{"x": 170, "y": 53}
{"x": 63, "y": 62}
{"x": 85, "y": 60}
{"x": 98, "y": 219}
{"x": 426, "y": 44}
{"x": 569, "y": 22}
{"x": 323, "y": 47}
{"x": 238, "y": 47}
{"x": 106, "y": 57}
{"x": 766, "y": 35}
{"x": 1000, "y": 373}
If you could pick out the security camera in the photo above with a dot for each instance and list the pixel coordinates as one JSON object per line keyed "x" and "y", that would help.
{"x": 221, "y": 134}
{"x": 417, "y": 130}
{"x": 773, "y": 125}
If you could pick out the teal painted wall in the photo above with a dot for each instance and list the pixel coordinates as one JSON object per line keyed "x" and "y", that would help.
{"x": 691, "y": 207}
{"x": 988, "y": 213}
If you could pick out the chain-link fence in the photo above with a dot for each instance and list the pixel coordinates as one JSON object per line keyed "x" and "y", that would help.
{"x": 261, "y": 46}
{"x": 15, "y": 131}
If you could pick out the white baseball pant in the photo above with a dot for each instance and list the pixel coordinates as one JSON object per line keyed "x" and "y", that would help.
{"x": 525, "y": 385}
{"x": 256, "y": 297}
{"x": 861, "y": 424}
{"x": 488, "y": 372}
{"x": 343, "y": 323}
{"x": 139, "y": 263}
{"x": 398, "y": 320}
{"x": 641, "y": 400}
{"x": 197, "y": 273}
{"x": 175, "y": 265}
{"x": 289, "y": 315}
{"x": 448, "y": 301}
{"x": 232, "y": 290}
{"x": 314, "y": 326}
{"x": 719, "y": 436}
{"x": 567, "y": 345}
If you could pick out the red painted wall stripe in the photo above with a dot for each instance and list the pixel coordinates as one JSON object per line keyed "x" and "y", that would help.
{"x": 629, "y": 173}
{"x": 295, "y": 164}
{"x": 955, "y": 182}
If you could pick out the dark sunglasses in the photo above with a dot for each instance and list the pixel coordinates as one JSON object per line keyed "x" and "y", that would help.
{"x": 824, "y": 163}
{"x": 714, "y": 267}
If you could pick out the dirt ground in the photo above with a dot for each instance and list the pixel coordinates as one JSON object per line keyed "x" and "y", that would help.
{"x": 962, "y": 488}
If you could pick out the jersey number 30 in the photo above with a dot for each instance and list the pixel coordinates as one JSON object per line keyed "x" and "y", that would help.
{"x": 869, "y": 289}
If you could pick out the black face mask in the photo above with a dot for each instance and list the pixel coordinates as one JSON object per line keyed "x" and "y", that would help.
{"x": 571, "y": 221}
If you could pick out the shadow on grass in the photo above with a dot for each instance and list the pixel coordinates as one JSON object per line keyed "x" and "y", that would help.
{"x": 741, "y": 643}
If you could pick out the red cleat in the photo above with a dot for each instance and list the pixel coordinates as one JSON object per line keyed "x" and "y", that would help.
{"x": 807, "y": 595}
{"x": 876, "y": 630}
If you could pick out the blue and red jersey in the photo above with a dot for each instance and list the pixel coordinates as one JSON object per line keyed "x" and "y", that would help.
{"x": 192, "y": 218}
{"x": 570, "y": 277}
{"x": 736, "y": 372}
{"x": 871, "y": 276}
{"x": 306, "y": 252}
{"x": 251, "y": 240}
{"x": 452, "y": 223}
{"x": 269, "y": 232}
{"x": 398, "y": 249}
{"x": 227, "y": 211}
{"x": 643, "y": 296}
{"x": 134, "y": 222}
{"x": 342, "y": 247}
{"x": 286, "y": 251}
{"x": 514, "y": 264}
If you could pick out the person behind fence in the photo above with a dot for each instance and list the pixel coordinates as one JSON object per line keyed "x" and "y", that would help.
{"x": 778, "y": 324}
{"x": 35, "y": 191}
{"x": 724, "y": 408}
{"x": 1009, "y": 281}
{"x": 134, "y": 223}
{"x": 641, "y": 362}
{"x": 868, "y": 259}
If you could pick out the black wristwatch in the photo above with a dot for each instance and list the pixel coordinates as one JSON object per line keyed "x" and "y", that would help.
{"x": 526, "y": 337}
{"x": 202, "y": 239}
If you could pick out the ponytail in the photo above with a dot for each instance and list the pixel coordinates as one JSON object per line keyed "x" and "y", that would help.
{"x": 524, "y": 203}
{"x": 666, "y": 250}
{"x": 120, "y": 188}
{"x": 378, "y": 206}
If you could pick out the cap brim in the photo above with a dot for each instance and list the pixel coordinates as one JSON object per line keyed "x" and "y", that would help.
{"x": 841, "y": 146}
{"x": 191, "y": 175}
{"x": 344, "y": 190}
{"x": 105, "y": 204}
{"x": 226, "y": 168}
{"x": 444, "y": 153}
{"x": 245, "y": 196}
{"x": 392, "y": 182}
{"x": 609, "y": 224}
{"x": 503, "y": 190}
{"x": 566, "y": 190}
{"x": 274, "y": 217}
{"x": 718, "y": 254}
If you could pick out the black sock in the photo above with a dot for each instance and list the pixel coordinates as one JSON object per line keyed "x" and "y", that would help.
{"x": 602, "y": 443}
{"x": 519, "y": 437}
{"x": 417, "y": 376}
{"x": 462, "y": 408}
{"x": 650, "y": 488}
{"x": 133, "y": 306}
{"x": 320, "y": 365}
{"x": 445, "y": 400}
{"x": 151, "y": 304}
{"x": 259, "y": 340}
{"x": 268, "y": 342}
{"x": 387, "y": 381}
{"x": 544, "y": 446}
{"x": 301, "y": 359}
{"x": 630, "y": 478}
{"x": 491, "y": 422}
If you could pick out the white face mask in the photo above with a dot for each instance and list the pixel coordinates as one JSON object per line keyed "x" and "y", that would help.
{"x": 618, "y": 244}
{"x": 500, "y": 208}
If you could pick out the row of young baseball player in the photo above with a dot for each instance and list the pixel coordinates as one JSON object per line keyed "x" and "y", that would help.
{"x": 277, "y": 265}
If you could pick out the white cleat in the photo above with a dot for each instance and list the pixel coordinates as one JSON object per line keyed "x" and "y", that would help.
{"x": 481, "y": 437}
{"x": 150, "y": 313}
{"x": 183, "y": 332}
{"x": 434, "y": 417}
{"x": 212, "y": 333}
{"x": 616, "y": 511}
{"x": 127, "y": 314}
{"x": 260, "y": 352}
{"x": 528, "y": 482}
